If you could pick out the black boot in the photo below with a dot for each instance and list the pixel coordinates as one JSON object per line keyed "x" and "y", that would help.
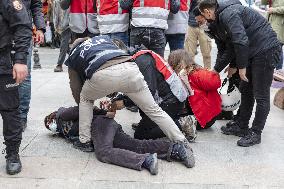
{"x": 85, "y": 147}
{"x": 250, "y": 139}
{"x": 183, "y": 154}
{"x": 13, "y": 162}
{"x": 233, "y": 128}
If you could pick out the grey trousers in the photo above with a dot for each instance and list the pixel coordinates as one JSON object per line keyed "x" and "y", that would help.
{"x": 113, "y": 146}
{"x": 64, "y": 45}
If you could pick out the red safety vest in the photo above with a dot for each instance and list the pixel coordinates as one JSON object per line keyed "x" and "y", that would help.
{"x": 111, "y": 18}
{"x": 173, "y": 80}
{"x": 150, "y": 13}
{"x": 178, "y": 22}
{"x": 83, "y": 16}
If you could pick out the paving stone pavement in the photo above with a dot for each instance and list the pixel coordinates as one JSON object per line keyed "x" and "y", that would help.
{"x": 51, "y": 162}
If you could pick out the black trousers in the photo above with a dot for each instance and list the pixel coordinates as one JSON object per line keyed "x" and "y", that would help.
{"x": 112, "y": 144}
{"x": 9, "y": 103}
{"x": 152, "y": 38}
{"x": 147, "y": 129}
{"x": 260, "y": 76}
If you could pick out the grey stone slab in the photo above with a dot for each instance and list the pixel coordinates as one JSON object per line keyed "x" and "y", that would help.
{"x": 96, "y": 170}
{"x": 119, "y": 185}
{"x": 48, "y": 168}
{"x": 26, "y": 183}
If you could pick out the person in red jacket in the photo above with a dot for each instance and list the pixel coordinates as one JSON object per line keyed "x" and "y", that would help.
{"x": 203, "y": 84}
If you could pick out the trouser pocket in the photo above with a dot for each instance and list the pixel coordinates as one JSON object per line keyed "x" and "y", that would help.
{"x": 9, "y": 94}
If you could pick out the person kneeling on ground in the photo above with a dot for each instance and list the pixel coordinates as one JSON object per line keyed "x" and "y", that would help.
{"x": 106, "y": 69}
{"x": 166, "y": 88}
{"x": 113, "y": 145}
{"x": 205, "y": 101}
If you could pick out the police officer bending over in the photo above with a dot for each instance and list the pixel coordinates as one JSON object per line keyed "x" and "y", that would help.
{"x": 15, "y": 27}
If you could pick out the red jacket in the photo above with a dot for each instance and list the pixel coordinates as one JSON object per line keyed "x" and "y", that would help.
{"x": 206, "y": 101}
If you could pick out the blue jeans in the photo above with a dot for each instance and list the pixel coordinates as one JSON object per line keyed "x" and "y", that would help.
{"x": 176, "y": 41}
{"x": 123, "y": 36}
{"x": 25, "y": 90}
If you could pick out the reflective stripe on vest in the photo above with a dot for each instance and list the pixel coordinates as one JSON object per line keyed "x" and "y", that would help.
{"x": 150, "y": 13}
{"x": 111, "y": 18}
{"x": 178, "y": 22}
{"x": 82, "y": 18}
{"x": 173, "y": 80}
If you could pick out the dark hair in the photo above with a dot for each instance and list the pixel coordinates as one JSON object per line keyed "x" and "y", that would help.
{"x": 179, "y": 58}
{"x": 196, "y": 12}
{"x": 207, "y": 4}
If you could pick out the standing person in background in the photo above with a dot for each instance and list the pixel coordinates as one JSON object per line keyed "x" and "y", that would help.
{"x": 61, "y": 23}
{"x": 83, "y": 17}
{"x": 34, "y": 9}
{"x": 15, "y": 28}
{"x": 177, "y": 24}
{"x": 112, "y": 20}
{"x": 50, "y": 23}
{"x": 196, "y": 34}
{"x": 276, "y": 19}
{"x": 149, "y": 22}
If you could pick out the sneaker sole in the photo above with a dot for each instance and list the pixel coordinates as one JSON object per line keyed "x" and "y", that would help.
{"x": 13, "y": 172}
{"x": 84, "y": 149}
{"x": 154, "y": 170}
{"x": 190, "y": 161}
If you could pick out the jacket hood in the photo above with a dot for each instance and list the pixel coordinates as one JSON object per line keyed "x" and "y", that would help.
{"x": 223, "y": 4}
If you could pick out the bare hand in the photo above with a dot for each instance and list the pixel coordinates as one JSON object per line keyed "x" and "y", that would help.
{"x": 39, "y": 38}
{"x": 20, "y": 72}
{"x": 242, "y": 73}
{"x": 231, "y": 71}
{"x": 270, "y": 10}
{"x": 110, "y": 115}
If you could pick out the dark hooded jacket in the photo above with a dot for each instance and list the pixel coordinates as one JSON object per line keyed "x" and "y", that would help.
{"x": 248, "y": 31}
{"x": 34, "y": 8}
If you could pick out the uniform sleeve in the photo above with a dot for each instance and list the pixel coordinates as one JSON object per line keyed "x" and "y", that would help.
{"x": 225, "y": 56}
{"x": 126, "y": 4}
{"x": 234, "y": 26}
{"x": 36, "y": 10}
{"x": 65, "y": 4}
{"x": 278, "y": 10}
{"x": 19, "y": 23}
{"x": 174, "y": 6}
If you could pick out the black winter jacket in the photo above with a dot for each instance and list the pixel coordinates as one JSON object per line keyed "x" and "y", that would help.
{"x": 34, "y": 8}
{"x": 191, "y": 19}
{"x": 247, "y": 30}
{"x": 15, "y": 26}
